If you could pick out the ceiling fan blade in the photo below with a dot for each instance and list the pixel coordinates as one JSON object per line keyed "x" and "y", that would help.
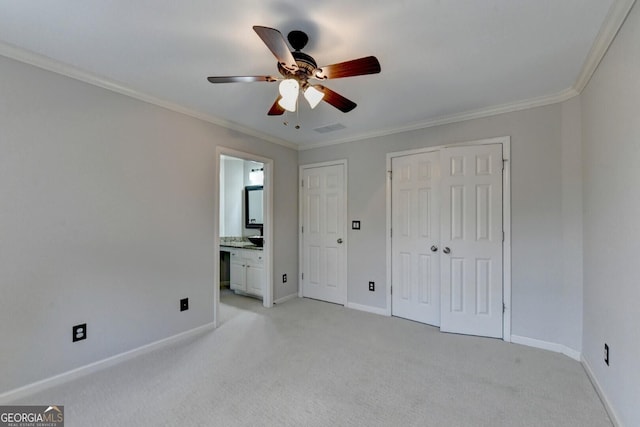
{"x": 276, "y": 109}
{"x": 241, "y": 79}
{"x": 277, "y": 45}
{"x": 355, "y": 67}
{"x": 340, "y": 102}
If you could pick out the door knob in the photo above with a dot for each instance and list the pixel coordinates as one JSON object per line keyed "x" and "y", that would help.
{"x": 434, "y": 248}
{"x": 446, "y": 250}
{"x": 340, "y": 241}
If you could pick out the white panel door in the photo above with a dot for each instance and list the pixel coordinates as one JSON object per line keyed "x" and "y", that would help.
{"x": 323, "y": 233}
{"x": 471, "y": 240}
{"x": 415, "y": 262}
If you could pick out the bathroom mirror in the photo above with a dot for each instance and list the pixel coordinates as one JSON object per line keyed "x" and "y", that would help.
{"x": 253, "y": 211}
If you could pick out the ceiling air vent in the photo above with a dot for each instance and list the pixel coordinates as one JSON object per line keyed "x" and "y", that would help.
{"x": 330, "y": 128}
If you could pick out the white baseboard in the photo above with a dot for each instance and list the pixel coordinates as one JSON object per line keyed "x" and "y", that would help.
{"x": 285, "y": 299}
{"x": 546, "y": 345}
{"x": 367, "y": 308}
{"x": 29, "y": 389}
{"x": 603, "y": 397}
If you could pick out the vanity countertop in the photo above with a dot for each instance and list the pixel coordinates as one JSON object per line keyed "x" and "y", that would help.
{"x": 240, "y": 245}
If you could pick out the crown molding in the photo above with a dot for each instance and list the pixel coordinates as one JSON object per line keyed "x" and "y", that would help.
{"x": 454, "y": 118}
{"x": 66, "y": 70}
{"x": 613, "y": 22}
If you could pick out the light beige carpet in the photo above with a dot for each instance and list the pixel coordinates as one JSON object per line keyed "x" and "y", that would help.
{"x": 309, "y": 363}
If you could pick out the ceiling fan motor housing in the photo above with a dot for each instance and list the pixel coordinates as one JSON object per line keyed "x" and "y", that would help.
{"x": 306, "y": 66}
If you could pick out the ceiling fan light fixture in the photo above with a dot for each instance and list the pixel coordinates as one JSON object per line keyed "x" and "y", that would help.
{"x": 289, "y": 89}
{"x": 288, "y": 104}
{"x": 313, "y": 96}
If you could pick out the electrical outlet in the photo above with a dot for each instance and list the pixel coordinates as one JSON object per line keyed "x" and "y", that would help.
{"x": 80, "y": 332}
{"x": 284, "y": 278}
{"x": 372, "y": 286}
{"x": 184, "y": 304}
{"x": 606, "y": 354}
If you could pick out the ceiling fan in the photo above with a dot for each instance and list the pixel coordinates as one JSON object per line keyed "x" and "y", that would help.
{"x": 297, "y": 68}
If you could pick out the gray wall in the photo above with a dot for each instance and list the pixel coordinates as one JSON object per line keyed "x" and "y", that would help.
{"x": 611, "y": 138}
{"x": 107, "y": 217}
{"x": 546, "y": 264}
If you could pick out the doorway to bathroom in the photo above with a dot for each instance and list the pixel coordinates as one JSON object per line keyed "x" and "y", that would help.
{"x": 243, "y": 231}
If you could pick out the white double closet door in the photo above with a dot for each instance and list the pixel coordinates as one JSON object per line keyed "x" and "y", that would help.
{"x": 446, "y": 244}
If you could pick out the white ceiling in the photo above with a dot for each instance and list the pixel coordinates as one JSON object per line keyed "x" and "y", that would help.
{"x": 441, "y": 60}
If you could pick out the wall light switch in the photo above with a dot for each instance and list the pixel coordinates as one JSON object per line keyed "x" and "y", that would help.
{"x": 355, "y": 225}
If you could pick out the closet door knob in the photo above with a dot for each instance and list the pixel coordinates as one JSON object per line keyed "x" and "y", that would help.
{"x": 434, "y": 248}
{"x": 446, "y": 250}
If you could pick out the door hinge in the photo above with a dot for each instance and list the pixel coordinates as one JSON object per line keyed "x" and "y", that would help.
{"x": 303, "y": 229}
{"x": 503, "y": 236}
{"x": 390, "y": 174}
{"x": 302, "y": 276}
{"x": 391, "y": 232}
{"x": 302, "y": 183}
{"x": 503, "y": 162}
{"x": 504, "y": 307}
{"x": 391, "y": 289}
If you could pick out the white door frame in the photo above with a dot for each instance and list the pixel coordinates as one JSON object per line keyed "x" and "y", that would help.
{"x": 267, "y": 299}
{"x": 342, "y": 162}
{"x": 506, "y": 221}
